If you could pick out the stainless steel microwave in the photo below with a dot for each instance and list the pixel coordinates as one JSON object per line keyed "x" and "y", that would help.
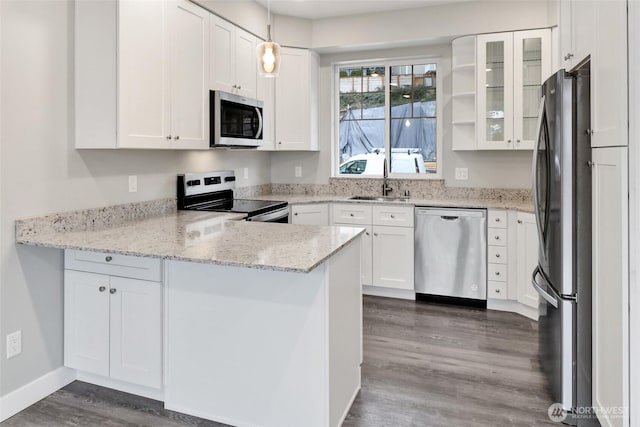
{"x": 235, "y": 120}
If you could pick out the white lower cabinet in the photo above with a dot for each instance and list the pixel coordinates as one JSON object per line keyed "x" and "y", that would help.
{"x": 512, "y": 255}
{"x": 113, "y": 327}
{"x": 311, "y": 214}
{"x": 387, "y": 250}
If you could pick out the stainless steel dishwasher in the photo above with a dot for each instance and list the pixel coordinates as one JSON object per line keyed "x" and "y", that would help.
{"x": 451, "y": 252}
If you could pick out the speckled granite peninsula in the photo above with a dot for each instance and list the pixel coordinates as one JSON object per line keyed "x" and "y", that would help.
{"x": 203, "y": 237}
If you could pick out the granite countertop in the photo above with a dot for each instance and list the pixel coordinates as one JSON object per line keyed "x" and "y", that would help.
{"x": 204, "y": 237}
{"x": 297, "y": 199}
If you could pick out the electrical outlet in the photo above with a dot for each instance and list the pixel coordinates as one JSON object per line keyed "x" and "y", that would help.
{"x": 298, "y": 171}
{"x": 133, "y": 183}
{"x": 14, "y": 344}
{"x": 462, "y": 174}
{"x": 246, "y": 173}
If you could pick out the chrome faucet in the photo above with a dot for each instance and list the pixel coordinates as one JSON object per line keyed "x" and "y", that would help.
{"x": 385, "y": 181}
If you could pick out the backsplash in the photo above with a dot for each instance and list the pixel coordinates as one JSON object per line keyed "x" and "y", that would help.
{"x": 418, "y": 188}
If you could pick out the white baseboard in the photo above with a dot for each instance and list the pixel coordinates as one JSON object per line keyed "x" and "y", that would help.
{"x": 35, "y": 391}
{"x": 389, "y": 292}
{"x": 513, "y": 307}
{"x": 138, "y": 390}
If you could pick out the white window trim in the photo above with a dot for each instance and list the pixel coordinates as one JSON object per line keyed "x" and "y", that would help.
{"x": 335, "y": 107}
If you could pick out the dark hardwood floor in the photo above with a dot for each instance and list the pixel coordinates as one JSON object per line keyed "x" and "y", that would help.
{"x": 425, "y": 365}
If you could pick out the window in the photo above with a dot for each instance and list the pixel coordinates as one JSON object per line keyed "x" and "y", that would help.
{"x": 388, "y": 108}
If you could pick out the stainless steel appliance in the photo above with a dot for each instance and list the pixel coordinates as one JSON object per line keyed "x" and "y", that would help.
{"x": 213, "y": 191}
{"x": 234, "y": 120}
{"x": 562, "y": 204}
{"x": 451, "y": 253}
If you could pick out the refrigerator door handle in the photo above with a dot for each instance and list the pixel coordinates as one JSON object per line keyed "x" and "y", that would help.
{"x": 544, "y": 294}
{"x": 534, "y": 174}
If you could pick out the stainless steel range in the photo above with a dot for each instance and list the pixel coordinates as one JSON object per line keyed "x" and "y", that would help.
{"x": 213, "y": 191}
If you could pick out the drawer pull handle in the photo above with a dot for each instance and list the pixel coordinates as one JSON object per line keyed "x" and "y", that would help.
{"x": 108, "y": 258}
{"x": 497, "y": 255}
{"x": 102, "y": 288}
{"x": 112, "y": 291}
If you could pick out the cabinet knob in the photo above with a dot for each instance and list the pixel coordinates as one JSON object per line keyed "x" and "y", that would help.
{"x": 497, "y": 255}
{"x": 280, "y": 142}
{"x": 239, "y": 87}
{"x": 168, "y": 137}
{"x": 497, "y": 274}
{"x": 497, "y": 237}
{"x": 568, "y": 56}
{"x": 497, "y": 219}
{"x": 508, "y": 141}
{"x": 177, "y": 137}
{"x": 351, "y": 215}
{"x": 102, "y": 288}
{"x": 392, "y": 216}
{"x": 375, "y": 234}
{"x": 590, "y": 164}
{"x": 367, "y": 233}
{"x": 589, "y": 132}
{"x": 234, "y": 86}
{"x": 517, "y": 141}
{"x": 497, "y": 291}
{"x": 295, "y": 214}
{"x": 112, "y": 291}
{"x": 108, "y": 258}
{"x": 519, "y": 221}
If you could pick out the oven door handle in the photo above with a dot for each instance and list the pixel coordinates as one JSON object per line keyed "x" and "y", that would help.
{"x": 544, "y": 294}
{"x": 270, "y": 216}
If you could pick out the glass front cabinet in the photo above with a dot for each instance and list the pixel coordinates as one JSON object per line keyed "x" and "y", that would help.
{"x": 511, "y": 68}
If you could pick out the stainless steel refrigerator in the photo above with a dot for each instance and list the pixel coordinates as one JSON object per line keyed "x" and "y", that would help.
{"x": 562, "y": 204}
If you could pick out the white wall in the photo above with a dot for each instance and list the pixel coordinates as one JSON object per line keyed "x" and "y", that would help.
{"x": 41, "y": 173}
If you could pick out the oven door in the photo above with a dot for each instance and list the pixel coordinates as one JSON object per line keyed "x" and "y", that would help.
{"x": 280, "y": 215}
{"x": 235, "y": 120}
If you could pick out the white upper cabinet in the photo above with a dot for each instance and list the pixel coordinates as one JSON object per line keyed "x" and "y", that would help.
{"x": 598, "y": 29}
{"x": 233, "y": 58}
{"x": 296, "y": 100}
{"x": 139, "y": 88}
{"x": 511, "y": 68}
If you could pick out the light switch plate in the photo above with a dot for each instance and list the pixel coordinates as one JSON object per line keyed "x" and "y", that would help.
{"x": 462, "y": 174}
{"x": 298, "y": 171}
{"x": 245, "y": 173}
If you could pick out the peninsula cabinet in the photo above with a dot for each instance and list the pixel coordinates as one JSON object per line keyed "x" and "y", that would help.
{"x": 141, "y": 75}
{"x": 233, "y": 58}
{"x": 511, "y": 68}
{"x": 113, "y": 324}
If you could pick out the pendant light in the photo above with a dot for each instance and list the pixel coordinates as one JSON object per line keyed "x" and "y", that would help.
{"x": 268, "y": 51}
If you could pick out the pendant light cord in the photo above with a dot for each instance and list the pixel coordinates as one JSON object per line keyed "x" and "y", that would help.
{"x": 268, "y": 20}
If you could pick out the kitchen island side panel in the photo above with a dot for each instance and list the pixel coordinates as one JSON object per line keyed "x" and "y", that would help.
{"x": 251, "y": 347}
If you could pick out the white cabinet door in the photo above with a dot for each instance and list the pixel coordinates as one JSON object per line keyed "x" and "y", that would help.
{"x": 189, "y": 76}
{"x": 583, "y": 23}
{"x": 609, "y": 93}
{"x": 526, "y": 258}
{"x": 136, "y": 331}
{"x": 564, "y": 27}
{"x": 246, "y": 69}
{"x": 144, "y": 97}
{"x": 495, "y": 91}
{"x": 86, "y": 322}
{"x": 312, "y": 214}
{"x": 610, "y": 284}
{"x": 531, "y": 67}
{"x": 222, "y": 53}
{"x": 393, "y": 257}
{"x": 296, "y": 101}
{"x": 366, "y": 256}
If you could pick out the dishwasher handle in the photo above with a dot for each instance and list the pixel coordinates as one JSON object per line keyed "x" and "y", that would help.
{"x": 451, "y": 213}
{"x": 449, "y": 218}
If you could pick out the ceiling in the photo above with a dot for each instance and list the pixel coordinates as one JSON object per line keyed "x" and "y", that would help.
{"x": 316, "y": 9}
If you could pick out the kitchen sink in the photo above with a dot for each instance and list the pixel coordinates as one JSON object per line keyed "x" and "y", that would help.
{"x": 381, "y": 198}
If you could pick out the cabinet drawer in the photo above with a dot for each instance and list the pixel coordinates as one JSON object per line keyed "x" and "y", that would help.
{"x": 497, "y": 254}
{"x": 497, "y": 272}
{"x": 313, "y": 214}
{"x": 497, "y": 219}
{"x": 496, "y": 290}
{"x": 400, "y": 216}
{"x": 114, "y": 264}
{"x": 351, "y": 213}
{"x": 497, "y": 236}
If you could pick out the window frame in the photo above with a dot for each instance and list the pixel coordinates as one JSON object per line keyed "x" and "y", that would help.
{"x": 335, "y": 108}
